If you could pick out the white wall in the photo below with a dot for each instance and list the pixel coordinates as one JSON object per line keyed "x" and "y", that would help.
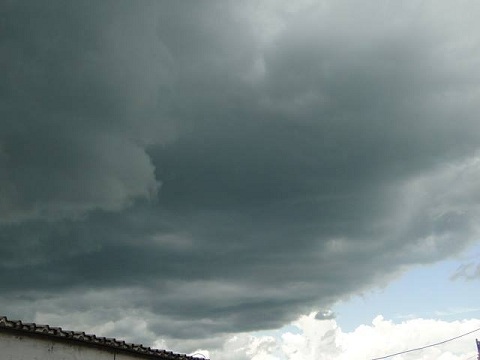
{"x": 20, "y": 347}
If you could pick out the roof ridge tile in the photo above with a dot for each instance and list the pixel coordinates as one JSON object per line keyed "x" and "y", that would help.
{"x": 58, "y": 332}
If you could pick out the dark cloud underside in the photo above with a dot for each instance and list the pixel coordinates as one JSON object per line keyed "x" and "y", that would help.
{"x": 226, "y": 167}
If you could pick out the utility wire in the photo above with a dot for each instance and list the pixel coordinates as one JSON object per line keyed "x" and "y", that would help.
{"x": 427, "y": 346}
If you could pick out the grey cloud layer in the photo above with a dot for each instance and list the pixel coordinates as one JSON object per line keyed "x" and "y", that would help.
{"x": 230, "y": 166}
{"x": 75, "y": 101}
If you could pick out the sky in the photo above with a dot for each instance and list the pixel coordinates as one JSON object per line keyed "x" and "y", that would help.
{"x": 255, "y": 180}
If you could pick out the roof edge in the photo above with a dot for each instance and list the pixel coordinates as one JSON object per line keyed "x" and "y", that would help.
{"x": 89, "y": 339}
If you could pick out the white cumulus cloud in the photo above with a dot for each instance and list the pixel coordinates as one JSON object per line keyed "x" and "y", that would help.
{"x": 311, "y": 339}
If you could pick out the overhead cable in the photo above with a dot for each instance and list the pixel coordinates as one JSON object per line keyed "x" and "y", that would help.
{"x": 427, "y": 346}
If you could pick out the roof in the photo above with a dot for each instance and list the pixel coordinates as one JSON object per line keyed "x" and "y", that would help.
{"x": 91, "y": 340}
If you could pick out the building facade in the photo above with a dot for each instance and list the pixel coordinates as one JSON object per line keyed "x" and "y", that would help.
{"x": 29, "y": 341}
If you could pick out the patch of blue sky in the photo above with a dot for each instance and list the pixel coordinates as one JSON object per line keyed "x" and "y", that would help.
{"x": 429, "y": 292}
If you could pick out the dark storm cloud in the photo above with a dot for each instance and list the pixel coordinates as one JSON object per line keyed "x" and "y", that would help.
{"x": 74, "y": 99}
{"x": 210, "y": 167}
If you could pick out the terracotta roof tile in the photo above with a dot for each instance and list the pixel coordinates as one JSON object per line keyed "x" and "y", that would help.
{"x": 76, "y": 336}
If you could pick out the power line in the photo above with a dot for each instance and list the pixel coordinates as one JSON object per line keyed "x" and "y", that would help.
{"x": 427, "y": 346}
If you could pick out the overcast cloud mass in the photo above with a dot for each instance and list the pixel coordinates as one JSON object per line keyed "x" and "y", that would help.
{"x": 185, "y": 170}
